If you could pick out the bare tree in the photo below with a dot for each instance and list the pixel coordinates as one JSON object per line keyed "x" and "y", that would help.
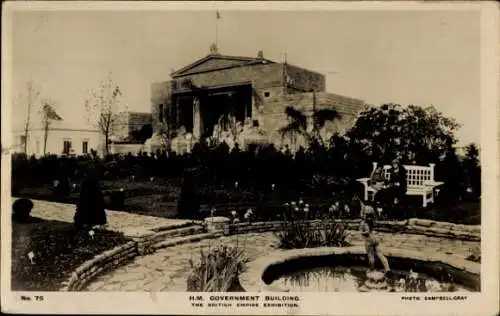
{"x": 32, "y": 96}
{"x": 102, "y": 109}
{"x": 48, "y": 115}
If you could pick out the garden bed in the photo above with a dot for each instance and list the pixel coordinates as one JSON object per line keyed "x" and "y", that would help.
{"x": 57, "y": 250}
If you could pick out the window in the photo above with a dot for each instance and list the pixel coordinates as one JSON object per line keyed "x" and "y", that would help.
{"x": 160, "y": 112}
{"x": 267, "y": 94}
{"x": 85, "y": 147}
{"x": 66, "y": 147}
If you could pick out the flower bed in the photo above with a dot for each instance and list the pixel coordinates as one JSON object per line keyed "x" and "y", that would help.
{"x": 45, "y": 253}
{"x": 101, "y": 263}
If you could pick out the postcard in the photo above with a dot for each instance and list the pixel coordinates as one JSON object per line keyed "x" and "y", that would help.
{"x": 305, "y": 158}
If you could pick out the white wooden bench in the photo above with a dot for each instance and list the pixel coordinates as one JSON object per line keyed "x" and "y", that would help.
{"x": 419, "y": 179}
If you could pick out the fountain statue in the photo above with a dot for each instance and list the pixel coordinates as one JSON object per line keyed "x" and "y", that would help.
{"x": 376, "y": 280}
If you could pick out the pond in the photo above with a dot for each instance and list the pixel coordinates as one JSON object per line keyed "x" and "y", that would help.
{"x": 355, "y": 279}
{"x": 346, "y": 270}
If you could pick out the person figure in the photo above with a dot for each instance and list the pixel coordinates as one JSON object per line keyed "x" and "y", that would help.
{"x": 372, "y": 244}
{"x": 90, "y": 207}
{"x": 397, "y": 182}
{"x": 377, "y": 178}
{"x": 378, "y": 183}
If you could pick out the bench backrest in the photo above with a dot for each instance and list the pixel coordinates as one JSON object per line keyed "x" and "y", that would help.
{"x": 415, "y": 175}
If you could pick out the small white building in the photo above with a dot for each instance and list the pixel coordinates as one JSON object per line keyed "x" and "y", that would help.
{"x": 59, "y": 141}
{"x": 61, "y": 138}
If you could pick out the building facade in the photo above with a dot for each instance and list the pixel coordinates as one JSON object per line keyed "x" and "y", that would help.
{"x": 255, "y": 90}
{"x": 60, "y": 141}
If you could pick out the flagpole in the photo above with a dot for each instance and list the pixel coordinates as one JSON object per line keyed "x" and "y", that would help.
{"x": 217, "y": 18}
{"x": 284, "y": 75}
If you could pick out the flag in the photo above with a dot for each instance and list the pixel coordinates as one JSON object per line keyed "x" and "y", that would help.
{"x": 217, "y": 15}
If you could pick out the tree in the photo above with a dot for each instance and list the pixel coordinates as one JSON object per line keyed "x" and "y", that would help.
{"x": 142, "y": 134}
{"x": 299, "y": 124}
{"x": 102, "y": 109}
{"x": 32, "y": 96}
{"x": 48, "y": 115}
{"x": 413, "y": 133}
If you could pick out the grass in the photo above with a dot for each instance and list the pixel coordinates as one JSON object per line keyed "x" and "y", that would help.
{"x": 57, "y": 249}
{"x": 462, "y": 212}
{"x": 160, "y": 197}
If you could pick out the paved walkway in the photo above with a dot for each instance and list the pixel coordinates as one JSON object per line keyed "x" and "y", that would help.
{"x": 168, "y": 269}
{"x": 116, "y": 220}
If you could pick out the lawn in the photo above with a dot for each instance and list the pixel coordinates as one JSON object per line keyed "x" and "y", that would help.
{"x": 56, "y": 249}
{"x": 160, "y": 198}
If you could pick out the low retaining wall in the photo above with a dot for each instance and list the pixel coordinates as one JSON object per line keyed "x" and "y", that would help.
{"x": 142, "y": 243}
{"x": 106, "y": 261}
{"x": 411, "y": 226}
{"x": 147, "y": 241}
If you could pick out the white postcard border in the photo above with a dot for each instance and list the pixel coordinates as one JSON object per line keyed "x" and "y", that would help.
{"x": 310, "y": 303}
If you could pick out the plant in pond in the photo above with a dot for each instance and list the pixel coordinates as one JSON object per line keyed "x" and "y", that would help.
{"x": 355, "y": 279}
{"x": 217, "y": 270}
{"x": 299, "y": 231}
{"x": 412, "y": 283}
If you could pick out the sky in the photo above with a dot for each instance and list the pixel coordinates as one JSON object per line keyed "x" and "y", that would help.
{"x": 406, "y": 57}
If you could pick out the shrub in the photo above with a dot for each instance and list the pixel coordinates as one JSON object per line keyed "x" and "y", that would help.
{"x": 217, "y": 270}
{"x": 61, "y": 188}
{"x": 117, "y": 198}
{"x": 21, "y": 210}
{"x": 297, "y": 231}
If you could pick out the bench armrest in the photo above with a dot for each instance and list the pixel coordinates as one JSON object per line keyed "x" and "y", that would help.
{"x": 433, "y": 183}
{"x": 363, "y": 180}
{"x": 365, "y": 183}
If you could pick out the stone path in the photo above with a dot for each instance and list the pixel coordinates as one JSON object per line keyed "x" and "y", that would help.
{"x": 116, "y": 220}
{"x": 168, "y": 269}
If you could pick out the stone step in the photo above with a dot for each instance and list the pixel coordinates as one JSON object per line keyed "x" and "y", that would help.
{"x": 184, "y": 240}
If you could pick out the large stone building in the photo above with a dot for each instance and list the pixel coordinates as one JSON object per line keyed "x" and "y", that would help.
{"x": 254, "y": 89}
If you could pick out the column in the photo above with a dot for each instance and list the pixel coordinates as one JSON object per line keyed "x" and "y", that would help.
{"x": 310, "y": 121}
{"x": 196, "y": 118}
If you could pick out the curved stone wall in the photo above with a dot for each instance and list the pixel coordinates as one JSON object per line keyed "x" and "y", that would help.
{"x": 411, "y": 226}
{"x": 148, "y": 241}
{"x": 465, "y": 272}
{"x": 101, "y": 263}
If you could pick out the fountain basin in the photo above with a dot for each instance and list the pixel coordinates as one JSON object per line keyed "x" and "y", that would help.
{"x": 269, "y": 273}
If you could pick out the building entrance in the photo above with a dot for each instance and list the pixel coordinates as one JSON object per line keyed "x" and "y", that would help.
{"x": 199, "y": 112}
